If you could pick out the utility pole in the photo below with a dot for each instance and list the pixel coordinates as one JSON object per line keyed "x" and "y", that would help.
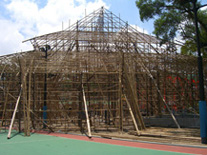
{"x": 45, "y": 50}
{"x": 202, "y": 102}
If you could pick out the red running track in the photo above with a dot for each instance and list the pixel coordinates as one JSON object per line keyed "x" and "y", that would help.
{"x": 180, "y": 149}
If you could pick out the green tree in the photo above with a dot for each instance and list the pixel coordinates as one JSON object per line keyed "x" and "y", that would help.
{"x": 175, "y": 17}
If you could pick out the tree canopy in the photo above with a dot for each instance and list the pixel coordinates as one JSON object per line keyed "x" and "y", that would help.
{"x": 173, "y": 18}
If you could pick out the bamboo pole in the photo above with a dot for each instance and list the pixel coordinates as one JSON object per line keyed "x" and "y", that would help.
{"x": 28, "y": 104}
{"x": 86, "y": 111}
{"x": 133, "y": 96}
{"x": 120, "y": 92}
{"x": 14, "y": 114}
{"x": 158, "y": 90}
{"x": 5, "y": 105}
{"x": 24, "y": 96}
{"x": 132, "y": 115}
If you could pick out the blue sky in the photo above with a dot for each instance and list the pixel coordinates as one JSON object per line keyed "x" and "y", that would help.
{"x": 24, "y": 19}
{"x": 129, "y": 12}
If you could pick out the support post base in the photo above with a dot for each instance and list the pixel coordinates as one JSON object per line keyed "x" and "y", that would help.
{"x": 204, "y": 140}
{"x": 203, "y": 121}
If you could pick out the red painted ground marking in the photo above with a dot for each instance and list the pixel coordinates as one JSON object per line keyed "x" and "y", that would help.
{"x": 180, "y": 149}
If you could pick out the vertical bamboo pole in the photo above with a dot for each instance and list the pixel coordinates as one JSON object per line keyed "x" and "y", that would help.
{"x": 151, "y": 98}
{"x": 80, "y": 106}
{"x": 109, "y": 102}
{"x": 120, "y": 94}
{"x": 33, "y": 98}
{"x": 28, "y": 104}
{"x": 5, "y": 107}
{"x": 20, "y": 82}
{"x": 24, "y": 94}
{"x": 147, "y": 95}
{"x": 158, "y": 95}
{"x": 5, "y": 98}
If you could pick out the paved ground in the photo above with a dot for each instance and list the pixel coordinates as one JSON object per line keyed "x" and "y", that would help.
{"x": 62, "y": 144}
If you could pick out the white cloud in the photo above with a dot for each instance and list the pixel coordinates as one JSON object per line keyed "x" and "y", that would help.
{"x": 204, "y": 8}
{"x": 140, "y": 29}
{"x": 27, "y": 20}
{"x": 24, "y": 13}
{"x": 11, "y": 38}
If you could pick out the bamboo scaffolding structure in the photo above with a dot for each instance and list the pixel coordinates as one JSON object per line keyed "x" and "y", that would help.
{"x": 95, "y": 63}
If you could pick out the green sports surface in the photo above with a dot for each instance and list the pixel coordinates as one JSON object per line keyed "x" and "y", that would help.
{"x": 38, "y": 144}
